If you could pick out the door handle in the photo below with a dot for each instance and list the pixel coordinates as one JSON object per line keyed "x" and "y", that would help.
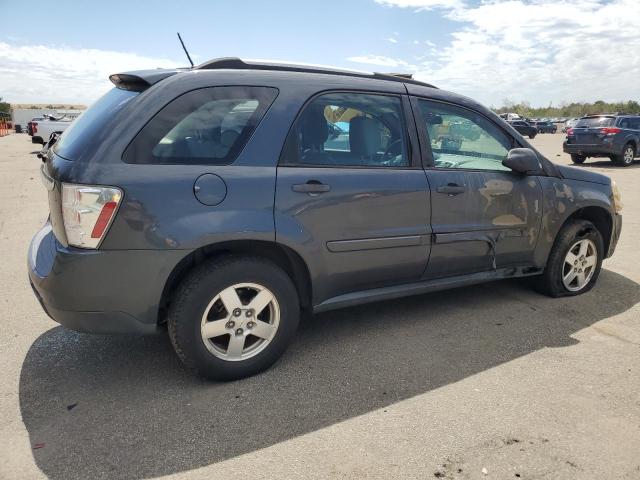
{"x": 451, "y": 189}
{"x": 312, "y": 186}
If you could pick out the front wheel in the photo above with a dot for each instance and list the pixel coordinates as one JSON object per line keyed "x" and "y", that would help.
{"x": 233, "y": 317}
{"x": 575, "y": 260}
{"x": 578, "y": 159}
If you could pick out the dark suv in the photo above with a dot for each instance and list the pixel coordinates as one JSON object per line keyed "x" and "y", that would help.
{"x": 524, "y": 128}
{"x": 546, "y": 127}
{"x": 223, "y": 200}
{"x": 613, "y": 136}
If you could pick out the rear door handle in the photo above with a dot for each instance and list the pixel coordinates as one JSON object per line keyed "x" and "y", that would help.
{"x": 312, "y": 186}
{"x": 451, "y": 189}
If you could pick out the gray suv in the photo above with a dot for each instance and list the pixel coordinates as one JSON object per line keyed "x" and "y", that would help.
{"x": 613, "y": 136}
{"x": 220, "y": 202}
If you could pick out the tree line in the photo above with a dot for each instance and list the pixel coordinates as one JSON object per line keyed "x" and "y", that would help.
{"x": 569, "y": 110}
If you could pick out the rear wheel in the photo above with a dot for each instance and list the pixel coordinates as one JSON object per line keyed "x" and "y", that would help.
{"x": 532, "y": 136}
{"x": 233, "y": 317}
{"x": 626, "y": 157}
{"x": 574, "y": 262}
{"x": 578, "y": 158}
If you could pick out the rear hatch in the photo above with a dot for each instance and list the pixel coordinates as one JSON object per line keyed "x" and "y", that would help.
{"x": 587, "y": 130}
{"x": 76, "y": 141}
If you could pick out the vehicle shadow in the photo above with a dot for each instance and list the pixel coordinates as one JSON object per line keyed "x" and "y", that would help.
{"x": 124, "y": 407}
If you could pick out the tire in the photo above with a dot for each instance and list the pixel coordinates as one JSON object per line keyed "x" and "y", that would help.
{"x": 578, "y": 159}
{"x": 574, "y": 233}
{"x": 197, "y": 295}
{"x": 532, "y": 136}
{"x": 627, "y": 155}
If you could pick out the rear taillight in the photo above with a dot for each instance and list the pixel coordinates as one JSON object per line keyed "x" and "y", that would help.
{"x": 87, "y": 212}
{"x": 610, "y": 130}
{"x": 569, "y": 131}
{"x": 34, "y": 127}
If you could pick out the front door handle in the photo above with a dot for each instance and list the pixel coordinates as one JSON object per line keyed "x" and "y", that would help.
{"x": 451, "y": 189}
{"x": 312, "y": 186}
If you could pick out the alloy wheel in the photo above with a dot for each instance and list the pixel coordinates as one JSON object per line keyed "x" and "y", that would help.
{"x": 240, "y": 322}
{"x": 579, "y": 265}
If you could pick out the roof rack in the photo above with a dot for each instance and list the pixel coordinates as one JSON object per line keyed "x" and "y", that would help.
{"x": 235, "y": 63}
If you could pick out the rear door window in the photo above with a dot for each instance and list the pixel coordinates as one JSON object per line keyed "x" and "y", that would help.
{"x": 349, "y": 130}
{"x": 209, "y": 126}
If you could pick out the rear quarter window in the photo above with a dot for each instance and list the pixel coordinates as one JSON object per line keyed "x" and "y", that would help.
{"x": 209, "y": 126}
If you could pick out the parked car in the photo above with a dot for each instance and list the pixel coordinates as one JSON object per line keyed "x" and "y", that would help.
{"x": 42, "y": 129}
{"x": 169, "y": 208}
{"x": 613, "y": 136}
{"x": 569, "y": 124}
{"x": 546, "y": 127}
{"x": 510, "y": 116}
{"x": 524, "y": 128}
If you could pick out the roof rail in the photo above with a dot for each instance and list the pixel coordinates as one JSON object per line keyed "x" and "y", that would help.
{"x": 235, "y": 63}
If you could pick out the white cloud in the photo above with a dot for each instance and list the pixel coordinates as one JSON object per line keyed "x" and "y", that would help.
{"x": 380, "y": 60}
{"x": 421, "y": 4}
{"x": 60, "y": 74}
{"x": 537, "y": 50}
{"x": 392, "y": 40}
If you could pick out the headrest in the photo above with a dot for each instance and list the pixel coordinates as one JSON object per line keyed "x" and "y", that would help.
{"x": 364, "y": 136}
{"x": 228, "y": 138}
{"x": 315, "y": 130}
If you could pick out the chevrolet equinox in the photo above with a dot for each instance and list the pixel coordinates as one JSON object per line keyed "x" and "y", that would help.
{"x": 219, "y": 202}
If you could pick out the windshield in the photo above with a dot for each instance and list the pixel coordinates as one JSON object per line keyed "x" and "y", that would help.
{"x": 87, "y": 127}
{"x": 595, "y": 122}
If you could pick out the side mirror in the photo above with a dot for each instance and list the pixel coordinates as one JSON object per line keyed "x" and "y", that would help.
{"x": 523, "y": 160}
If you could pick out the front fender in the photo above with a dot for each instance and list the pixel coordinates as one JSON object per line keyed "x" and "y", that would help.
{"x": 562, "y": 199}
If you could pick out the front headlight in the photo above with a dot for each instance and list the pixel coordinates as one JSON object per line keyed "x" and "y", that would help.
{"x": 617, "y": 197}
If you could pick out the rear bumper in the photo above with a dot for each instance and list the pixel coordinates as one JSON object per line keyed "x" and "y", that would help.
{"x": 599, "y": 149}
{"x": 96, "y": 291}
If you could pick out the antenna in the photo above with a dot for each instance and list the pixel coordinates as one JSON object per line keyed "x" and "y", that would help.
{"x": 185, "y": 49}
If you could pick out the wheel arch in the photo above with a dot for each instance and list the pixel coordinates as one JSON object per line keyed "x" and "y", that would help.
{"x": 286, "y": 258}
{"x": 601, "y": 219}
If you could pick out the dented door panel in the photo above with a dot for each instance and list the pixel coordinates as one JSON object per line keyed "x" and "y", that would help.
{"x": 493, "y": 223}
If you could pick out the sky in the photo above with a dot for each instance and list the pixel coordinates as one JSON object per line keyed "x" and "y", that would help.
{"x": 540, "y": 51}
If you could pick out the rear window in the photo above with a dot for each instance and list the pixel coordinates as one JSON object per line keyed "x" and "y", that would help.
{"x": 595, "y": 122}
{"x": 209, "y": 126}
{"x": 88, "y": 128}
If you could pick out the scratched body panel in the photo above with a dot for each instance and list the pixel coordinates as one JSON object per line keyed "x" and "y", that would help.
{"x": 499, "y": 212}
